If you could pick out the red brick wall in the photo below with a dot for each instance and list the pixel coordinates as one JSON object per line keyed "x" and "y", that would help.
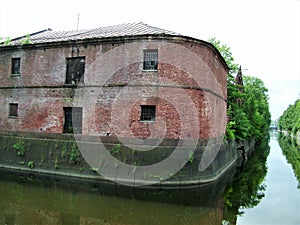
{"x": 189, "y": 89}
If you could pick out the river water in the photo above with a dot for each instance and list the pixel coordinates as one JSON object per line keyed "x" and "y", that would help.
{"x": 266, "y": 191}
{"x": 281, "y": 204}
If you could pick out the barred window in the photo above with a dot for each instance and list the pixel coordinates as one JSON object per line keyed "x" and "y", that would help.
{"x": 150, "y": 59}
{"x": 148, "y": 112}
{"x": 15, "y": 65}
{"x": 13, "y": 109}
{"x": 75, "y": 70}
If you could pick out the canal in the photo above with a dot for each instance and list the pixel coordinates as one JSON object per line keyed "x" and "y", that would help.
{"x": 266, "y": 191}
{"x": 281, "y": 202}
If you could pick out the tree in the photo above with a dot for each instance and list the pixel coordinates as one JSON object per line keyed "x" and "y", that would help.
{"x": 290, "y": 119}
{"x": 247, "y": 110}
{"x": 256, "y": 106}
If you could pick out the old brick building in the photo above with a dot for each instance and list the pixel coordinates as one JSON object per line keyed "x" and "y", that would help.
{"x": 129, "y": 80}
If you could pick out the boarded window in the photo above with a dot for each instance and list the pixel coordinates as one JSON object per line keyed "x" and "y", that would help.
{"x": 13, "y": 109}
{"x": 15, "y": 65}
{"x": 148, "y": 112}
{"x": 73, "y": 120}
{"x": 75, "y": 70}
{"x": 150, "y": 59}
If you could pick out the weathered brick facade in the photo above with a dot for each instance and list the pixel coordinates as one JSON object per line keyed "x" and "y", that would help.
{"x": 188, "y": 89}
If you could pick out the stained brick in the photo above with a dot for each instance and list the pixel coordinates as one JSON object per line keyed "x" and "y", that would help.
{"x": 191, "y": 80}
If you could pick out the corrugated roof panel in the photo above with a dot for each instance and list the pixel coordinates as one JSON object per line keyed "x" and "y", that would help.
{"x": 126, "y": 29}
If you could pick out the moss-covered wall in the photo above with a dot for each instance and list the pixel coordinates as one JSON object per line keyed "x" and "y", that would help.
{"x": 49, "y": 154}
{"x": 56, "y": 154}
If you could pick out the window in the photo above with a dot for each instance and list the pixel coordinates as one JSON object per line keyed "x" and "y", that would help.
{"x": 150, "y": 59}
{"x": 75, "y": 70}
{"x": 15, "y": 66}
{"x": 13, "y": 109}
{"x": 148, "y": 112}
{"x": 73, "y": 120}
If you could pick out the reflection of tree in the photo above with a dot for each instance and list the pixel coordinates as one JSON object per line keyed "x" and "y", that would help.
{"x": 247, "y": 188}
{"x": 291, "y": 151}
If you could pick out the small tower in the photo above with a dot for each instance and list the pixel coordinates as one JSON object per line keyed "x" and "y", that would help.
{"x": 239, "y": 80}
{"x": 240, "y": 85}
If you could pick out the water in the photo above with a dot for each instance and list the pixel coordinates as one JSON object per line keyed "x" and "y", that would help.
{"x": 281, "y": 204}
{"x": 265, "y": 192}
{"x": 31, "y": 199}
{"x": 35, "y": 205}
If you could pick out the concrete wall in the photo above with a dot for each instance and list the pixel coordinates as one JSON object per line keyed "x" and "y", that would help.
{"x": 59, "y": 154}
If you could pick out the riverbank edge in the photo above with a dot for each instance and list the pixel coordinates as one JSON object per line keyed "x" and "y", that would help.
{"x": 38, "y": 147}
{"x": 166, "y": 184}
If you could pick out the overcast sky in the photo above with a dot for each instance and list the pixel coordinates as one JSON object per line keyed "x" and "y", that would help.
{"x": 263, "y": 35}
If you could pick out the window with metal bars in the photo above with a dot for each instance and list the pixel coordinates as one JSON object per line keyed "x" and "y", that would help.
{"x": 75, "y": 70}
{"x": 150, "y": 59}
{"x": 15, "y": 66}
{"x": 148, "y": 112}
{"x": 13, "y": 109}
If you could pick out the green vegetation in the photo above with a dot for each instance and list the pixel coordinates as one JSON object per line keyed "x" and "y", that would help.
{"x": 291, "y": 151}
{"x": 56, "y": 164}
{"x": 290, "y": 119}
{"x": 94, "y": 169}
{"x": 30, "y": 164}
{"x": 191, "y": 156}
{"x": 115, "y": 149}
{"x": 26, "y": 40}
{"x": 75, "y": 154}
{"x": 5, "y": 42}
{"x": 247, "y": 104}
{"x": 247, "y": 189}
{"x": 64, "y": 151}
{"x": 20, "y": 148}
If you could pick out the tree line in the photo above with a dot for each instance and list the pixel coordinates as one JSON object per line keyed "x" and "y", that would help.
{"x": 247, "y": 101}
{"x": 290, "y": 119}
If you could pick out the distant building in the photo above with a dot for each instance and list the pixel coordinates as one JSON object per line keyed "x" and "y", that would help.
{"x": 239, "y": 80}
{"x": 129, "y": 80}
{"x": 240, "y": 84}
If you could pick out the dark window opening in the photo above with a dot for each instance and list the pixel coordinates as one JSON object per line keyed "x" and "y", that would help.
{"x": 73, "y": 120}
{"x": 150, "y": 59}
{"x": 13, "y": 109}
{"x": 75, "y": 70}
{"x": 15, "y": 65}
{"x": 148, "y": 112}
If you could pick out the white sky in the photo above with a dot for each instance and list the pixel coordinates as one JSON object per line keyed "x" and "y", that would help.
{"x": 263, "y": 35}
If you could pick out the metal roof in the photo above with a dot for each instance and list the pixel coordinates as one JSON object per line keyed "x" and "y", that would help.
{"x": 121, "y": 30}
{"x": 126, "y": 29}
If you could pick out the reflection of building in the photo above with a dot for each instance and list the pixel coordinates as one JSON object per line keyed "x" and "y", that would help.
{"x": 63, "y": 205}
{"x": 132, "y": 78}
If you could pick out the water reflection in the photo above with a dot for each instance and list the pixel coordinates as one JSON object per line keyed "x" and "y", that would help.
{"x": 274, "y": 135}
{"x": 247, "y": 189}
{"x": 291, "y": 151}
{"x": 28, "y": 199}
{"x": 265, "y": 192}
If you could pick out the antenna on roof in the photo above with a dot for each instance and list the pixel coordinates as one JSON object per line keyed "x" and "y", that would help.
{"x": 77, "y": 22}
